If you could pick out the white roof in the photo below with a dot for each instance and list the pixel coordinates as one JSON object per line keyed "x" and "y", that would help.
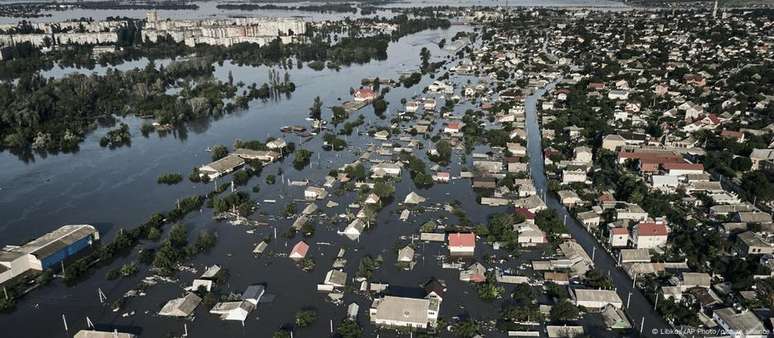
{"x": 400, "y": 309}
{"x": 413, "y": 198}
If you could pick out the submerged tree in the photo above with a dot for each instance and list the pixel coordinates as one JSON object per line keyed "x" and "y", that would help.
{"x": 315, "y": 111}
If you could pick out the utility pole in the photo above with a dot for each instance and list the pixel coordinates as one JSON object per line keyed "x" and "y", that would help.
{"x": 102, "y": 297}
{"x": 642, "y": 324}
{"x": 64, "y": 320}
{"x": 628, "y": 299}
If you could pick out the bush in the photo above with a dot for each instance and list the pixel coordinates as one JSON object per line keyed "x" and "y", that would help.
{"x": 154, "y": 233}
{"x": 218, "y": 152}
{"x": 172, "y": 178}
{"x": 7, "y": 305}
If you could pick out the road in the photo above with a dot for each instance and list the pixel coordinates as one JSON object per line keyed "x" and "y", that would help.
{"x": 639, "y": 309}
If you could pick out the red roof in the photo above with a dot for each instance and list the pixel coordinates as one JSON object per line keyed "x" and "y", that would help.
{"x": 713, "y": 118}
{"x": 732, "y": 134}
{"x": 365, "y": 92}
{"x": 477, "y": 278}
{"x": 462, "y": 240}
{"x": 682, "y": 166}
{"x": 650, "y": 156}
{"x": 526, "y": 213}
{"x": 619, "y": 231}
{"x": 454, "y": 125}
{"x": 300, "y": 249}
{"x": 651, "y": 229}
{"x": 606, "y": 197}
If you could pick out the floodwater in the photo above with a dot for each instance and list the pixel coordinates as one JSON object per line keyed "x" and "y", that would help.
{"x": 208, "y": 9}
{"x": 117, "y": 188}
{"x": 113, "y": 189}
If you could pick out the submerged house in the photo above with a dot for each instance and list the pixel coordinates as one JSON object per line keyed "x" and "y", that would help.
{"x": 103, "y": 334}
{"x": 413, "y": 198}
{"x": 181, "y": 307}
{"x": 237, "y": 310}
{"x": 476, "y": 273}
{"x": 462, "y": 243}
{"x": 596, "y": 299}
{"x": 223, "y": 166}
{"x": 299, "y": 251}
{"x": 354, "y": 229}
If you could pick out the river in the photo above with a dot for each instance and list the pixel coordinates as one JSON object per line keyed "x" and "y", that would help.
{"x": 638, "y": 308}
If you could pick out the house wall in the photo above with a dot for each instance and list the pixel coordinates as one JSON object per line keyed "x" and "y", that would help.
{"x": 462, "y": 251}
{"x": 619, "y": 240}
{"x": 385, "y": 322}
{"x": 650, "y": 242}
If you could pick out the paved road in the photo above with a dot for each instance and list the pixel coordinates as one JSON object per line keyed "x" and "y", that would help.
{"x": 639, "y": 307}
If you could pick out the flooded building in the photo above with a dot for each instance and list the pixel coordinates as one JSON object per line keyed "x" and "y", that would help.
{"x": 225, "y": 31}
{"x": 405, "y": 312}
{"x": 46, "y": 251}
{"x": 222, "y": 166}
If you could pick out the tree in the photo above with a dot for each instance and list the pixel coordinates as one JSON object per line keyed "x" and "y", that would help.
{"x": 166, "y": 258}
{"x": 466, "y": 328}
{"x": 514, "y": 312}
{"x": 424, "y": 56}
{"x": 741, "y": 163}
{"x": 305, "y": 318}
{"x": 598, "y": 280}
{"x": 241, "y": 177}
{"x": 281, "y": 333}
{"x": 316, "y": 110}
{"x": 154, "y": 233}
{"x": 556, "y": 291}
{"x": 301, "y": 158}
{"x": 563, "y": 311}
{"x": 349, "y": 329}
{"x": 380, "y": 106}
{"x": 219, "y": 151}
{"x": 758, "y": 185}
{"x": 205, "y": 241}
{"x": 356, "y": 172}
{"x": 178, "y": 236}
{"x": 383, "y": 190}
